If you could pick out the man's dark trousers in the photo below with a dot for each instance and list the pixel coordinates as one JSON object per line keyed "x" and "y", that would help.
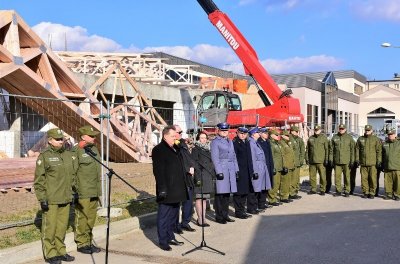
{"x": 187, "y": 209}
{"x": 166, "y": 217}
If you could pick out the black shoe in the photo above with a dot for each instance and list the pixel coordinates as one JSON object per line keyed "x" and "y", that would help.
{"x": 175, "y": 242}
{"x": 220, "y": 221}
{"x": 95, "y": 249}
{"x": 275, "y": 204}
{"x": 346, "y": 195}
{"x": 178, "y": 231}
{"x": 53, "y": 260}
{"x": 285, "y": 200}
{"x": 261, "y": 210}
{"x": 371, "y": 196}
{"x": 295, "y": 197}
{"x": 248, "y": 215}
{"x": 165, "y": 247}
{"x": 241, "y": 216}
{"x": 311, "y": 192}
{"x": 396, "y": 198}
{"x": 253, "y": 212}
{"x": 268, "y": 206}
{"x": 66, "y": 258}
{"x": 365, "y": 196}
{"x": 85, "y": 250}
{"x": 322, "y": 193}
{"x": 337, "y": 194}
{"x": 230, "y": 220}
{"x": 351, "y": 193}
{"x": 387, "y": 197}
{"x": 188, "y": 228}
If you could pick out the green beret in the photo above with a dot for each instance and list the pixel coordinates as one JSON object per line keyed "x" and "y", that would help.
{"x": 88, "y": 130}
{"x": 55, "y": 133}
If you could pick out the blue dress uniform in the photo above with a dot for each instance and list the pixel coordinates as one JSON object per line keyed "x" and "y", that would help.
{"x": 261, "y": 183}
{"x": 244, "y": 185}
{"x": 226, "y": 167}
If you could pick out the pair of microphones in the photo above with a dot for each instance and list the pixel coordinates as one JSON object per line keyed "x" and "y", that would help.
{"x": 88, "y": 150}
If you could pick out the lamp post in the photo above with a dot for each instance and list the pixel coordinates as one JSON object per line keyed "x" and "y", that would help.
{"x": 388, "y": 45}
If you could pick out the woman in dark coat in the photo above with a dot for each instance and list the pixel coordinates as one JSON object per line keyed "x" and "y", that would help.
{"x": 203, "y": 176}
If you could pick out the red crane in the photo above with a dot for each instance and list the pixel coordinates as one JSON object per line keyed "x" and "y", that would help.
{"x": 280, "y": 107}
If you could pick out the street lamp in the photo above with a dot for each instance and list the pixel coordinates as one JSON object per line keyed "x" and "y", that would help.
{"x": 388, "y": 45}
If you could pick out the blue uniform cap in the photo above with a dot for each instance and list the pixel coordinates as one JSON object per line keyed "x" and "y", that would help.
{"x": 263, "y": 130}
{"x": 253, "y": 130}
{"x": 243, "y": 130}
{"x": 223, "y": 126}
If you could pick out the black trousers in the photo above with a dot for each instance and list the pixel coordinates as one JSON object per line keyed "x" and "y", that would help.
{"x": 262, "y": 199}
{"x": 252, "y": 202}
{"x": 221, "y": 204}
{"x": 239, "y": 201}
{"x": 328, "y": 170}
{"x": 353, "y": 173}
{"x": 166, "y": 216}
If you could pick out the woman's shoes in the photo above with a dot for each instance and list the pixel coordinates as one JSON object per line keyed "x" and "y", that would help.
{"x": 202, "y": 225}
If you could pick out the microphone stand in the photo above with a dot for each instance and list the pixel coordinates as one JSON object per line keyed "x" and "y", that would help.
{"x": 203, "y": 243}
{"x": 110, "y": 173}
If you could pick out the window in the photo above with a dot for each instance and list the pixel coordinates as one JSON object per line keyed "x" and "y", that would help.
{"x": 309, "y": 115}
{"x": 208, "y": 102}
{"x": 316, "y": 112}
{"x": 234, "y": 103}
{"x": 221, "y": 101}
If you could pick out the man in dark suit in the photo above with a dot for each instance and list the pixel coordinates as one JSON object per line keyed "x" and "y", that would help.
{"x": 170, "y": 187}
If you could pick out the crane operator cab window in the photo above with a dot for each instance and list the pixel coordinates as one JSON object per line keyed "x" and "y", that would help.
{"x": 208, "y": 102}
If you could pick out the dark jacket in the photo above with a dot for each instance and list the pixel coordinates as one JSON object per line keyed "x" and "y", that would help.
{"x": 187, "y": 160}
{"x": 245, "y": 163}
{"x": 169, "y": 174}
{"x": 266, "y": 146}
{"x": 204, "y": 170}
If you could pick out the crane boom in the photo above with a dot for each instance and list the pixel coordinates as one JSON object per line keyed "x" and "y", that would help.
{"x": 282, "y": 105}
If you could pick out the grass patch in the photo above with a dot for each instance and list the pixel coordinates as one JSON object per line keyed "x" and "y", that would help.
{"x": 21, "y": 235}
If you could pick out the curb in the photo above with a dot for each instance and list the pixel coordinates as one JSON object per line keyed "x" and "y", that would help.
{"x": 33, "y": 251}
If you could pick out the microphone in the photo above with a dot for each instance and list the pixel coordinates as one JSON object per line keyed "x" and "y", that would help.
{"x": 88, "y": 150}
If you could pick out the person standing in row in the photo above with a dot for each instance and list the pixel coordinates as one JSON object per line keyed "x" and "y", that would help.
{"x": 171, "y": 187}
{"x": 299, "y": 151}
{"x": 260, "y": 177}
{"x": 317, "y": 156}
{"x": 54, "y": 179}
{"x": 266, "y": 146}
{"x": 391, "y": 166}
{"x": 245, "y": 190}
{"x": 88, "y": 191}
{"x": 341, "y": 154}
{"x": 227, "y": 171}
{"x": 368, "y": 154}
{"x": 277, "y": 155}
{"x": 288, "y": 164}
{"x": 204, "y": 175}
{"x": 188, "y": 164}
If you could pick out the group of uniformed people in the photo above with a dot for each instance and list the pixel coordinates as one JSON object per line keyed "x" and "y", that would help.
{"x": 343, "y": 155}
{"x": 64, "y": 176}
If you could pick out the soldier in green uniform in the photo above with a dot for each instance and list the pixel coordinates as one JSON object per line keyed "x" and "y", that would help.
{"x": 369, "y": 155}
{"x": 299, "y": 151}
{"x": 289, "y": 163}
{"x": 88, "y": 190}
{"x": 54, "y": 177}
{"x": 391, "y": 166}
{"x": 277, "y": 155}
{"x": 341, "y": 155}
{"x": 317, "y": 157}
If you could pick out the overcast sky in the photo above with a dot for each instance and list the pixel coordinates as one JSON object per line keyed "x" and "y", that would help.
{"x": 289, "y": 36}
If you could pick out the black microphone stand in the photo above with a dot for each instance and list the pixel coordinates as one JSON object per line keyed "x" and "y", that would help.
{"x": 203, "y": 243}
{"x": 110, "y": 173}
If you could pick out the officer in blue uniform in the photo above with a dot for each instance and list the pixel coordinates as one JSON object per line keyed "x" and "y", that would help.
{"x": 260, "y": 178}
{"x": 226, "y": 169}
{"x": 244, "y": 187}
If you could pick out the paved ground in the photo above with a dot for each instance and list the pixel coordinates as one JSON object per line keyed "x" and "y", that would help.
{"x": 314, "y": 229}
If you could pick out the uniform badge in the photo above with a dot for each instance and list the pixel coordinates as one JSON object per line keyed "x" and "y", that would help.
{"x": 39, "y": 162}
